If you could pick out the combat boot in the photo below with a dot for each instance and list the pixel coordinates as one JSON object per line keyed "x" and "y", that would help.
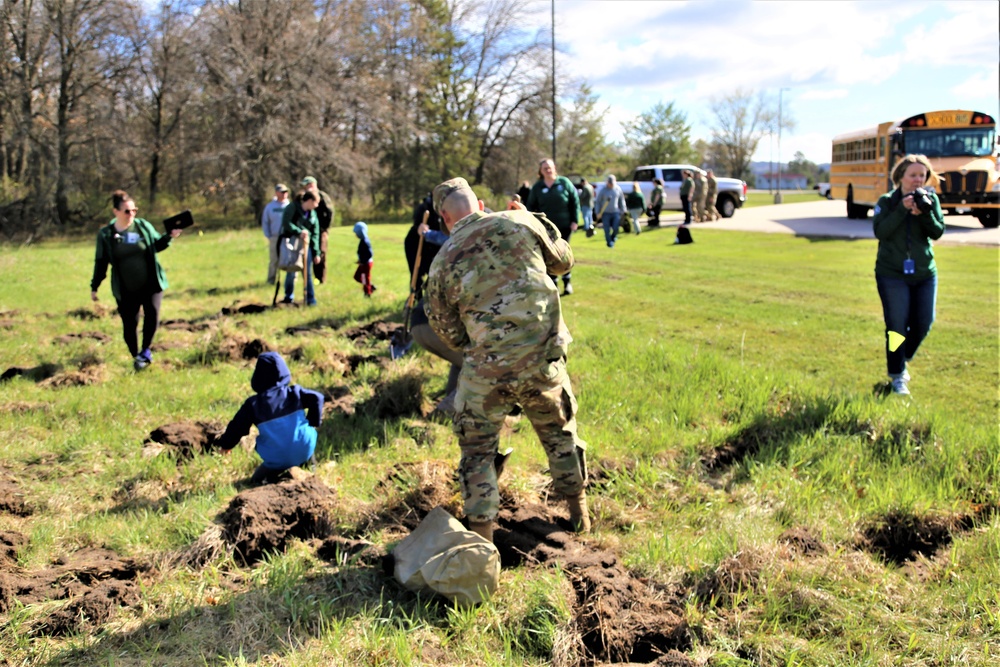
{"x": 578, "y": 514}
{"x": 484, "y": 529}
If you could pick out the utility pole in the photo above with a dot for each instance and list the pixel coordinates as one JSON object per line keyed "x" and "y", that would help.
{"x": 777, "y": 194}
{"x": 553, "y": 80}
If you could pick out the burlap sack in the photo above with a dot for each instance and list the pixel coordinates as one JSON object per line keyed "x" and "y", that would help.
{"x": 442, "y": 556}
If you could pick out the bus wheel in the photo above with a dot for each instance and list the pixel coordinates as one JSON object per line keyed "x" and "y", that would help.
{"x": 989, "y": 218}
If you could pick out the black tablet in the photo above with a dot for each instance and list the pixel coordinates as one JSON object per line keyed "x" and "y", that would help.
{"x": 180, "y": 221}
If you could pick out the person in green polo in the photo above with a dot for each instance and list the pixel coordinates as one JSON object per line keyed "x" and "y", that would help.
{"x": 556, "y": 197}
{"x": 128, "y": 244}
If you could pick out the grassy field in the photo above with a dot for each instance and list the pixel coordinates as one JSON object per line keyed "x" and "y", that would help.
{"x": 759, "y": 198}
{"x": 765, "y": 503}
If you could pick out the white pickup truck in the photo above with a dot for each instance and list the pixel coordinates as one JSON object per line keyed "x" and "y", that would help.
{"x": 730, "y": 195}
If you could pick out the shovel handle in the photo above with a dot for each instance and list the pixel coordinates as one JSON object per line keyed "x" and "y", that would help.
{"x": 416, "y": 267}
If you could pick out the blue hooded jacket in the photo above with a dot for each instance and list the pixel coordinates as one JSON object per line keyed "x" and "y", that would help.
{"x": 365, "y": 252}
{"x": 286, "y": 415}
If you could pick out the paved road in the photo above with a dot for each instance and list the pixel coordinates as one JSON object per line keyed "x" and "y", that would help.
{"x": 829, "y": 218}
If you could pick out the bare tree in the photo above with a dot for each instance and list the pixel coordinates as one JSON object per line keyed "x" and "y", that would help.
{"x": 742, "y": 118}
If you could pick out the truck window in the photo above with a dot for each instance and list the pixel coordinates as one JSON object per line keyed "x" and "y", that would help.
{"x": 643, "y": 175}
{"x": 671, "y": 175}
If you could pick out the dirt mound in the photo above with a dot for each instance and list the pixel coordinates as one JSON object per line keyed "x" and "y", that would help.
{"x": 35, "y": 374}
{"x": 237, "y": 348}
{"x": 183, "y": 325}
{"x": 95, "y": 312}
{"x": 66, "y": 339}
{"x": 264, "y": 519}
{"x": 401, "y": 396}
{"x": 22, "y": 407}
{"x": 245, "y": 309}
{"x": 373, "y": 331}
{"x": 11, "y": 544}
{"x": 355, "y": 360}
{"x": 184, "y": 438}
{"x": 69, "y": 577}
{"x": 899, "y": 536}
{"x": 801, "y": 540}
{"x": 733, "y": 575}
{"x": 95, "y": 607}
{"x": 90, "y": 370}
{"x": 321, "y": 325}
{"x": 12, "y": 500}
{"x": 341, "y": 550}
{"x": 338, "y": 399}
{"x": 7, "y": 325}
{"x": 412, "y": 490}
{"x": 618, "y": 616}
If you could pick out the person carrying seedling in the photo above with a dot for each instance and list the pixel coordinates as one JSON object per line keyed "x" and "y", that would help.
{"x": 286, "y": 416}
{"x": 363, "y": 274}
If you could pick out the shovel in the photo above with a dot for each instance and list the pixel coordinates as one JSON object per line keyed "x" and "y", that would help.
{"x": 402, "y": 341}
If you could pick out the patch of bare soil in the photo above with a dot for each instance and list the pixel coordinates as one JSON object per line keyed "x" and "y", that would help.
{"x": 355, "y": 360}
{"x": 618, "y": 616}
{"x": 94, "y": 312}
{"x": 373, "y": 331}
{"x": 900, "y": 536}
{"x": 742, "y": 445}
{"x": 411, "y": 491}
{"x": 339, "y": 400}
{"x": 72, "y": 576}
{"x": 35, "y": 374}
{"x": 66, "y": 339}
{"x": 237, "y": 348}
{"x": 11, "y": 499}
{"x": 22, "y": 407}
{"x": 264, "y": 519}
{"x": 802, "y": 541}
{"x": 90, "y": 370}
{"x": 7, "y": 325}
{"x": 321, "y": 325}
{"x": 245, "y": 309}
{"x": 184, "y": 325}
{"x": 184, "y": 438}
{"x": 11, "y": 543}
{"x": 95, "y": 607}
{"x": 342, "y": 550}
{"x": 401, "y": 396}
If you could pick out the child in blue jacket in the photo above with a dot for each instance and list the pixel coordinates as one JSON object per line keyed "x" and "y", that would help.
{"x": 286, "y": 416}
{"x": 363, "y": 274}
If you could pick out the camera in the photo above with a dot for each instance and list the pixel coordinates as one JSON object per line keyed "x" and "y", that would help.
{"x": 922, "y": 200}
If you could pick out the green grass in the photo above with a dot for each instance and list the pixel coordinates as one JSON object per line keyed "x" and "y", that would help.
{"x": 767, "y": 340}
{"x": 767, "y": 198}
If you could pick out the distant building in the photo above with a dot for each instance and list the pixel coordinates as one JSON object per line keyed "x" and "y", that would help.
{"x": 789, "y": 181}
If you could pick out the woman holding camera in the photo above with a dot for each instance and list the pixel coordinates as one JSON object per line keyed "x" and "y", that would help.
{"x": 906, "y": 221}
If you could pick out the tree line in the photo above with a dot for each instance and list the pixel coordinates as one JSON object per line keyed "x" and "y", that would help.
{"x": 217, "y": 100}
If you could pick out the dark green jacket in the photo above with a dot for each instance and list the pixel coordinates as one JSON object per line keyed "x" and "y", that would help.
{"x": 891, "y": 221}
{"x": 686, "y": 186}
{"x": 635, "y": 199}
{"x": 155, "y": 242}
{"x": 560, "y": 203}
{"x": 293, "y": 224}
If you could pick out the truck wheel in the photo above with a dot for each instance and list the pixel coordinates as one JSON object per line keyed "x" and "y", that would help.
{"x": 989, "y": 218}
{"x": 726, "y": 206}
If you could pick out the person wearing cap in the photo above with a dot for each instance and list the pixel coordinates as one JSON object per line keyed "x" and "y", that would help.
{"x": 300, "y": 220}
{"x": 556, "y": 197}
{"x": 324, "y": 213}
{"x": 489, "y": 296}
{"x": 610, "y": 207}
{"x": 270, "y": 220}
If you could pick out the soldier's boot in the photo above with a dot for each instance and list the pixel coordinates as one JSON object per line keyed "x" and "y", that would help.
{"x": 578, "y": 514}
{"x": 483, "y": 529}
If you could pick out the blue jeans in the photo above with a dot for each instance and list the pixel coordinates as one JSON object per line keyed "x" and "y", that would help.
{"x": 908, "y": 309}
{"x": 588, "y": 216}
{"x": 290, "y": 282}
{"x": 611, "y": 220}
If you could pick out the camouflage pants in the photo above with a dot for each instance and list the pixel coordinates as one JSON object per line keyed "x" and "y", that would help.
{"x": 699, "y": 207}
{"x": 482, "y": 404}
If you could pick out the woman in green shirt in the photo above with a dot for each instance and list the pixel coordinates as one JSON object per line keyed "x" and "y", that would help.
{"x": 128, "y": 244}
{"x": 556, "y": 197}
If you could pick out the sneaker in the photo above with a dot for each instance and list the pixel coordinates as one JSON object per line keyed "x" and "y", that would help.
{"x": 139, "y": 362}
{"x": 905, "y": 375}
{"x": 287, "y": 299}
{"x": 568, "y": 289}
{"x": 590, "y": 232}
{"x": 147, "y": 354}
{"x": 899, "y": 386}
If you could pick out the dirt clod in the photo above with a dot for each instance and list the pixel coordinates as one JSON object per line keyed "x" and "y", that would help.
{"x": 735, "y": 574}
{"x": 377, "y": 331}
{"x": 245, "y": 309}
{"x": 265, "y": 518}
{"x": 12, "y": 499}
{"x": 184, "y": 438}
{"x": 412, "y": 490}
{"x": 619, "y": 617}
{"x": 401, "y": 396}
{"x": 183, "y": 325}
{"x": 11, "y": 544}
{"x": 95, "y": 607}
{"x": 801, "y": 540}
{"x": 341, "y": 550}
{"x": 338, "y": 399}
{"x": 66, "y": 339}
{"x": 95, "y": 312}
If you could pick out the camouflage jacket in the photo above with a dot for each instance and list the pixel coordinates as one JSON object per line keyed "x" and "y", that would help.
{"x": 489, "y": 294}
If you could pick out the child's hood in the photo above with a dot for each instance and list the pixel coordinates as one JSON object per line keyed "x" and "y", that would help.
{"x": 271, "y": 372}
{"x": 361, "y": 230}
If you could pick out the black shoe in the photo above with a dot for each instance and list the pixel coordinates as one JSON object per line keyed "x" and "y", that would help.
{"x": 567, "y": 290}
{"x": 287, "y": 299}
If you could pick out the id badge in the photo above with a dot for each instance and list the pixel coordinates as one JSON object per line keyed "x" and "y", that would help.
{"x": 908, "y": 267}
{"x": 133, "y": 238}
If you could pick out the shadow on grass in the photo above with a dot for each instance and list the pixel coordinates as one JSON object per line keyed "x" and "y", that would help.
{"x": 264, "y": 623}
{"x": 769, "y": 435}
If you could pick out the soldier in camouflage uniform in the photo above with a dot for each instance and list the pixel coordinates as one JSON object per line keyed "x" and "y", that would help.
{"x": 698, "y": 199}
{"x": 490, "y": 297}
{"x": 711, "y": 213}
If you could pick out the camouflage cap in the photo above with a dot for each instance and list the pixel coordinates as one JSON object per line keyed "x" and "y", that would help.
{"x": 446, "y": 189}
{"x": 308, "y": 180}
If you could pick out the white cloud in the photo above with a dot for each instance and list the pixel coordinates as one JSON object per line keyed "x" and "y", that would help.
{"x": 824, "y": 94}
{"x": 984, "y": 83}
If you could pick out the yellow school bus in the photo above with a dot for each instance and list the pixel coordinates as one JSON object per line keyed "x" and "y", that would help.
{"x": 961, "y": 146}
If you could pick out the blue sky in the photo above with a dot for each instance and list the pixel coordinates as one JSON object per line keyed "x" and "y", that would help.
{"x": 847, "y": 64}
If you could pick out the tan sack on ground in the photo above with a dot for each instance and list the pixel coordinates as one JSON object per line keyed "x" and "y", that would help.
{"x": 442, "y": 556}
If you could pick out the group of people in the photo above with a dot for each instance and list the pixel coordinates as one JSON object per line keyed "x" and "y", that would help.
{"x": 698, "y": 192}
{"x": 489, "y": 303}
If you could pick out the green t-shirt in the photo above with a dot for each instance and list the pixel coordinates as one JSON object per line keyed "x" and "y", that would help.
{"x": 130, "y": 259}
